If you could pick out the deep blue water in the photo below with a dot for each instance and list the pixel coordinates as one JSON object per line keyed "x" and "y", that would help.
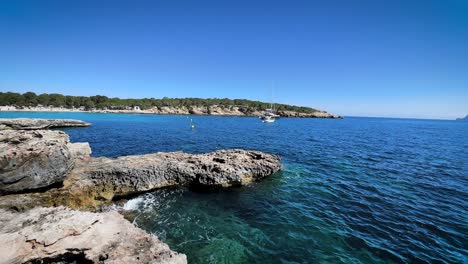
{"x": 357, "y": 190}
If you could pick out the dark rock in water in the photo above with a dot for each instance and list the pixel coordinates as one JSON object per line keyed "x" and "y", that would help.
{"x": 463, "y": 118}
{"x": 33, "y": 123}
{"x": 61, "y": 235}
{"x": 36, "y": 159}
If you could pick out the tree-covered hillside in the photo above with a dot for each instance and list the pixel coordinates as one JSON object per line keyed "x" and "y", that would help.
{"x": 101, "y": 102}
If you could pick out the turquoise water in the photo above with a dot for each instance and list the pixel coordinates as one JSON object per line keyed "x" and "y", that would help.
{"x": 357, "y": 190}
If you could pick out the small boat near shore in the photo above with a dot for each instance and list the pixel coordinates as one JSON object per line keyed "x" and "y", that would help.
{"x": 269, "y": 116}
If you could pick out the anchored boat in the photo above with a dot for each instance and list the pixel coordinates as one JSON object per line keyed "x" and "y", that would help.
{"x": 269, "y": 116}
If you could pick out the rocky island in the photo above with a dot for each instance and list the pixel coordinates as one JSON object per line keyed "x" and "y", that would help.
{"x": 48, "y": 183}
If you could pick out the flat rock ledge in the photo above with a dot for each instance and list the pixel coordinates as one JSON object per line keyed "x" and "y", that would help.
{"x": 62, "y": 235}
{"x": 34, "y": 123}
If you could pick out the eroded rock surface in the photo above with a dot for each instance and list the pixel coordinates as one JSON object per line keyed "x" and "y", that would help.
{"x": 36, "y": 159}
{"x": 138, "y": 173}
{"x": 96, "y": 181}
{"x": 51, "y": 235}
{"x": 35, "y": 123}
{"x": 79, "y": 150}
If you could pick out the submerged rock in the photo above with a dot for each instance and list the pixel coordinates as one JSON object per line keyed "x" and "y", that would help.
{"x": 35, "y": 159}
{"x": 34, "y": 123}
{"x": 61, "y": 235}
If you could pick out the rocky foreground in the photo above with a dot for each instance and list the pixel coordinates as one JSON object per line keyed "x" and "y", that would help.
{"x": 62, "y": 235}
{"x": 42, "y": 168}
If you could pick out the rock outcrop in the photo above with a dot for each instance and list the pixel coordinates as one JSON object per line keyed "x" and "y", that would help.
{"x": 62, "y": 235}
{"x": 132, "y": 174}
{"x": 34, "y": 124}
{"x": 97, "y": 181}
{"x": 35, "y": 159}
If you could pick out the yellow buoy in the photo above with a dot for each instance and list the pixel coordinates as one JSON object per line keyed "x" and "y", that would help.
{"x": 193, "y": 126}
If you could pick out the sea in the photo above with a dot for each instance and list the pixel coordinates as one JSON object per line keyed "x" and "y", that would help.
{"x": 353, "y": 190}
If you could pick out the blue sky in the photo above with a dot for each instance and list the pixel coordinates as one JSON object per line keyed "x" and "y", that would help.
{"x": 366, "y": 58}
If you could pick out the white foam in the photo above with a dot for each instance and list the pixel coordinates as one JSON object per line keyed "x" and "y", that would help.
{"x": 133, "y": 204}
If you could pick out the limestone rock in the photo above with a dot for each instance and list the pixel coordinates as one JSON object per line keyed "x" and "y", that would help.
{"x": 132, "y": 174}
{"x": 62, "y": 235}
{"x": 34, "y": 123}
{"x": 97, "y": 181}
{"x": 79, "y": 150}
{"x": 33, "y": 159}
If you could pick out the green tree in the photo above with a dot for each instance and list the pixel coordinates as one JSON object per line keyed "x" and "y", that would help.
{"x": 57, "y": 100}
{"x": 88, "y": 104}
{"x": 43, "y": 99}
{"x": 30, "y": 98}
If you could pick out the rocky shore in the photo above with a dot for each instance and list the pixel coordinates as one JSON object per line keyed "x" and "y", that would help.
{"x": 41, "y": 171}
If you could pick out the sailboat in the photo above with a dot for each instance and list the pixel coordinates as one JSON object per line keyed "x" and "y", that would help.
{"x": 269, "y": 115}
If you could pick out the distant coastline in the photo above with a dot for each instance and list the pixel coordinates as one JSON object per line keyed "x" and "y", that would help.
{"x": 195, "y": 110}
{"x": 29, "y": 101}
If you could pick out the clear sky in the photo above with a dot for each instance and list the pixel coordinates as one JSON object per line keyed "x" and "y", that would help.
{"x": 395, "y": 58}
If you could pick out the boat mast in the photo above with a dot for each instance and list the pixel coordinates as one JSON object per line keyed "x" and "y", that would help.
{"x": 272, "y": 88}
